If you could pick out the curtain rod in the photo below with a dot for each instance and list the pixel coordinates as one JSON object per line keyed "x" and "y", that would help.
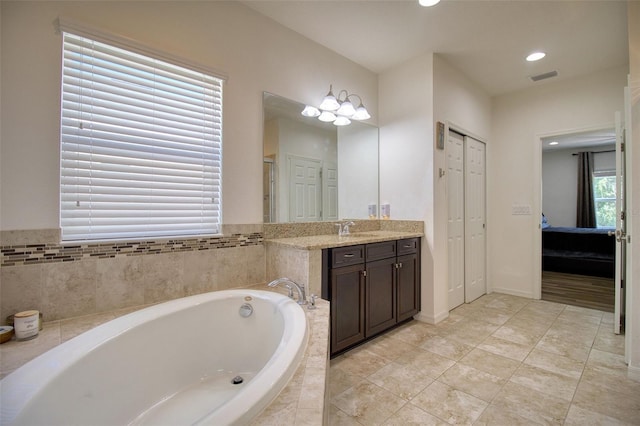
{"x": 597, "y": 152}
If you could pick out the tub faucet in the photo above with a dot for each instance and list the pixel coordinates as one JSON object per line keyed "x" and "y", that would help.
{"x": 290, "y": 285}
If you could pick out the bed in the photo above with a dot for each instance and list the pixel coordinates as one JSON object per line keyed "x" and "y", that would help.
{"x": 583, "y": 251}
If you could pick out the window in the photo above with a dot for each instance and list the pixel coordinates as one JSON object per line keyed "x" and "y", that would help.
{"x": 604, "y": 190}
{"x": 141, "y": 145}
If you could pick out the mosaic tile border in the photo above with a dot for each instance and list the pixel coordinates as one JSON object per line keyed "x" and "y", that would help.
{"x": 32, "y": 254}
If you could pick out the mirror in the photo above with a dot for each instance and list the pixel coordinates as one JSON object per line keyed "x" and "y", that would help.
{"x": 316, "y": 171}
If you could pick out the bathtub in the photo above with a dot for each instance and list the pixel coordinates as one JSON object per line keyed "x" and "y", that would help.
{"x": 168, "y": 364}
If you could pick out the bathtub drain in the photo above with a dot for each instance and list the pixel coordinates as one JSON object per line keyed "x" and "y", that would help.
{"x": 237, "y": 380}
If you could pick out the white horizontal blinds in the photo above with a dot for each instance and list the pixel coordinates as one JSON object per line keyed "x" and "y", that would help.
{"x": 141, "y": 145}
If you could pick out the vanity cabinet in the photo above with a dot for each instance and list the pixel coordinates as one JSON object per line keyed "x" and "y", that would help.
{"x": 371, "y": 287}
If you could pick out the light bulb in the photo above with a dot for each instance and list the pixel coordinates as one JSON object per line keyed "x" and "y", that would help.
{"x": 361, "y": 114}
{"x": 327, "y": 116}
{"x": 346, "y": 109}
{"x": 329, "y": 103}
{"x": 342, "y": 121}
{"x": 536, "y": 56}
{"x": 310, "y": 111}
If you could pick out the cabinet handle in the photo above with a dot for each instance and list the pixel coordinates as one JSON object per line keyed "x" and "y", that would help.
{"x": 398, "y": 265}
{"x": 364, "y": 273}
{"x": 349, "y": 255}
{"x": 408, "y": 246}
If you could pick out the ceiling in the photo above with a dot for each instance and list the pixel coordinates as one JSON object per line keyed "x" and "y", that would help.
{"x": 485, "y": 39}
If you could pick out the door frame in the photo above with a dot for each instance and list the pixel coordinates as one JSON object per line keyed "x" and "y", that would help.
{"x": 536, "y": 208}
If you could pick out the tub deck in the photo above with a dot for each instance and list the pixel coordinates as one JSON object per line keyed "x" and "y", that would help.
{"x": 302, "y": 401}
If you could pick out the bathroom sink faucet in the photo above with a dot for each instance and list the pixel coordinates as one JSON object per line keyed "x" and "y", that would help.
{"x": 290, "y": 285}
{"x": 343, "y": 228}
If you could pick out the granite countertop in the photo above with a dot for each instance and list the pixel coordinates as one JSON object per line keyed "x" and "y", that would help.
{"x": 328, "y": 241}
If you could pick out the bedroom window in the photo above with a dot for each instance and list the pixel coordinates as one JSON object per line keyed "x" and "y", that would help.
{"x": 141, "y": 145}
{"x": 604, "y": 190}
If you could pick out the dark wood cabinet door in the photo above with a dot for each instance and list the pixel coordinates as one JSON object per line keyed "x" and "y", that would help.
{"x": 408, "y": 286}
{"x": 380, "y": 295}
{"x": 347, "y": 307}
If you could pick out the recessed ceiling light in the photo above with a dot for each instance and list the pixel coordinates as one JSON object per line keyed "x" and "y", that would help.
{"x": 428, "y": 3}
{"x": 554, "y": 143}
{"x": 536, "y": 56}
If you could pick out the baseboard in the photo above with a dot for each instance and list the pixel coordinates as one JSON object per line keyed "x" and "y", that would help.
{"x": 431, "y": 319}
{"x": 633, "y": 373}
{"x": 511, "y": 292}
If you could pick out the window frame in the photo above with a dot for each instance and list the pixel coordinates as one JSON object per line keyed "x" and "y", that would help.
{"x": 214, "y": 224}
{"x": 596, "y": 200}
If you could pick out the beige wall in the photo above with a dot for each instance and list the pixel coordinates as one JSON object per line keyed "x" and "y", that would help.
{"x": 257, "y": 54}
{"x": 460, "y": 103}
{"x": 416, "y": 95}
{"x": 518, "y": 122}
{"x": 406, "y": 157}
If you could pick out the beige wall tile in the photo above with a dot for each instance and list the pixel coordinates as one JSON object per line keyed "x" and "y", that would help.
{"x": 163, "y": 277}
{"x": 201, "y": 270}
{"x": 69, "y": 289}
{"x": 20, "y": 290}
{"x": 119, "y": 283}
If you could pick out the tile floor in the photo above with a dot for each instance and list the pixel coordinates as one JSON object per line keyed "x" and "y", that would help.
{"x": 501, "y": 360}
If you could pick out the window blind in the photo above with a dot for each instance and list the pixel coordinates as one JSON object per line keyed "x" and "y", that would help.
{"x": 141, "y": 145}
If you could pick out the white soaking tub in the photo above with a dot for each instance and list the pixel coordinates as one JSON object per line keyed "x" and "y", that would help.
{"x": 169, "y": 364}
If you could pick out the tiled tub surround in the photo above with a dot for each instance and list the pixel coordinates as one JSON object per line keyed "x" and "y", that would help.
{"x": 304, "y": 401}
{"x": 295, "y": 250}
{"x": 71, "y": 280}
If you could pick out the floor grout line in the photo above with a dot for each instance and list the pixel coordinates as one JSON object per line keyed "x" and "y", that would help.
{"x": 563, "y": 319}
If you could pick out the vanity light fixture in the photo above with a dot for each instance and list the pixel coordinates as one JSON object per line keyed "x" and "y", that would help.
{"x": 338, "y": 109}
{"x": 536, "y": 56}
{"x": 553, "y": 143}
{"x": 428, "y": 3}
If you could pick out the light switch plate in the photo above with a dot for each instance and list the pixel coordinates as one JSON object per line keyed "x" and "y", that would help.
{"x": 521, "y": 210}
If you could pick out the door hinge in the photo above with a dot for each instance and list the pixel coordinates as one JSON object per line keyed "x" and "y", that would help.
{"x": 622, "y": 145}
{"x": 622, "y": 215}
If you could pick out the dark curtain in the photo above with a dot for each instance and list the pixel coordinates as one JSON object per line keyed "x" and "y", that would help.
{"x": 586, "y": 212}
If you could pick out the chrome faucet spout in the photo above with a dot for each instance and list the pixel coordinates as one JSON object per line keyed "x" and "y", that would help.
{"x": 343, "y": 228}
{"x": 291, "y": 285}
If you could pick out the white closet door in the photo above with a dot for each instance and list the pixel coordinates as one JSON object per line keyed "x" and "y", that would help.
{"x": 455, "y": 219}
{"x": 474, "y": 218}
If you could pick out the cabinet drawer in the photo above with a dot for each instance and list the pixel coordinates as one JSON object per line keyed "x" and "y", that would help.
{"x": 408, "y": 246}
{"x": 382, "y": 250}
{"x": 344, "y": 256}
